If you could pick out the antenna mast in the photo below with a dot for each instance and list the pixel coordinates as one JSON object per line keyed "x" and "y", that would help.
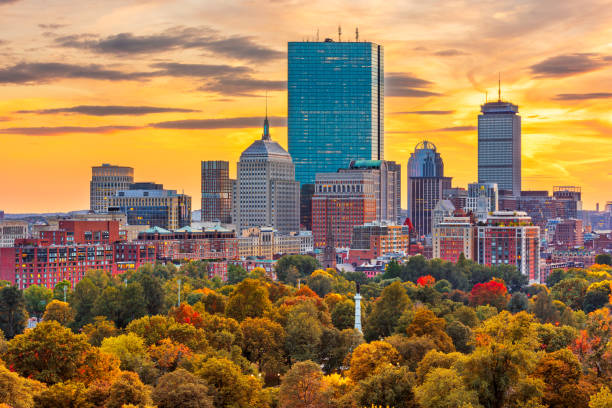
{"x": 357, "y": 34}
{"x": 317, "y": 35}
{"x": 339, "y": 34}
{"x": 499, "y": 87}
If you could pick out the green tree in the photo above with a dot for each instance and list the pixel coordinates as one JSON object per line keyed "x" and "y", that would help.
{"x": 59, "y": 291}
{"x": 108, "y": 304}
{"x": 181, "y": 389}
{"x": 335, "y": 345}
{"x": 303, "y": 334}
{"x": 263, "y": 344}
{"x": 249, "y": 299}
{"x": 571, "y": 292}
{"x": 82, "y": 301}
{"x": 305, "y": 265}
{"x": 461, "y": 336}
{"x": 603, "y": 259}
{"x": 59, "y": 311}
{"x": 36, "y": 299}
{"x": 387, "y": 310}
{"x": 13, "y": 314}
{"x": 597, "y": 296}
{"x": 129, "y": 348}
{"x": 518, "y": 302}
{"x": 343, "y": 314}
{"x": 153, "y": 292}
{"x": 235, "y": 274}
{"x": 133, "y": 304}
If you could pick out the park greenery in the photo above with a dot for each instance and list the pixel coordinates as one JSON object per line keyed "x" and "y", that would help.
{"x": 435, "y": 335}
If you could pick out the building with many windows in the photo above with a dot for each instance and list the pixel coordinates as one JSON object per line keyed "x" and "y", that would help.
{"x": 341, "y": 201}
{"x": 106, "y": 180}
{"x": 426, "y": 184}
{"x": 335, "y": 105}
{"x": 10, "y": 230}
{"x": 452, "y": 237}
{"x": 376, "y": 239}
{"x": 216, "y": 192}
{"x": 154, "y": 207}
{"x": 267, "y": 193}
{"x": 499, "y": 146}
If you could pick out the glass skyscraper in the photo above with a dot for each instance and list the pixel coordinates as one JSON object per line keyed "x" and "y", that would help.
{"x": 499, "y": 146}
{"x": 336, "y": 105}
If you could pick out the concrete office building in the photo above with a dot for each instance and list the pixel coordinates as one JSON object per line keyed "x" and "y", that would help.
{"x": 106, "y": 180}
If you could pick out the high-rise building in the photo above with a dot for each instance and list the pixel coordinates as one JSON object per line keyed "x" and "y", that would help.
{"x": 341, "y": 201}
{"x": 571, "y": 197}
{"x": 510, "y": 238}
{"x": 154, "y": 207}
{"x": 388, "y": 178}
{"x": 426, "y": 184}
{"x": 106, "y": 180}
{"x": 499, "y": 146}
{"x": 489, "y": 190}
{"x": 216, "y": 192}
{"x": 569, "y": 234}
{"x": 267, "y": 193}
{"x": 335, "y": 106}
{"x": 452, "y": 237}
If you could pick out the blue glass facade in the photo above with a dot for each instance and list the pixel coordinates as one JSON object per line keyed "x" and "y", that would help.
{"x": 336, "y": 105}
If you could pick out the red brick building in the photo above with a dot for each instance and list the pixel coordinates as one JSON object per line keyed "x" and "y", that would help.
{"x": 83, "y": 232}
{"x": 376, "y": 239}
{"x": 568, "y": 234}
{"x": 452, "y": 237}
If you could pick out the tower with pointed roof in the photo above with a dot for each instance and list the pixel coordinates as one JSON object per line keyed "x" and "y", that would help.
{"x": 267, "y": 194}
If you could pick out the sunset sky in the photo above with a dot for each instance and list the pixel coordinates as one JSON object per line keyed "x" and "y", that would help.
{"x": 161, "y": 85}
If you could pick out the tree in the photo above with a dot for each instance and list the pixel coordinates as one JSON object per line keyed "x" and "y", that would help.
{"x": 59, "y": 311}
{"x": 181, "y": 389}
{"x": 100, "y": 329}
{"x": 153, "y": 292}
{"x": 518, "y": 302}
{"x": 168, "y": 354}
{"x": 235, "y": 274}
{"x": 36, "y": 299}
{"x": 108, "y": 304}
{"x": 320, "y": 283}
{"x": 561, "y": 373}
{"x": 229, "y": 387}
{"x": 411, "y": 349}
{"x": 263, "y": 344}
{"x": 13, "y": 314}
{"x": 304, "y": 265}
{"x": 343, "y": 314}
{"x": 335, "y": 345}
{"x": 49, "y": 353}
{"x": 444, "y": 388}
{"x": 249, "y": 299}
{"x": 544, "y": 309}
{"x": 597, "y": 295}
{"x": 492, "y": 293}
{"x": 426, "y": 280}
{"x": 64, "y": 394}
{"x": 16, "y": 391}
{"x": 435, "y": 359}
{"x": 603, "y": 399}
{"x": 387, "y": 310}
{"x": 603, "y": 259}
{"x": 82, "y": 301}
{"x": 129, "y": 349}
{"x": 425, "y": 323}
{"x": 127, "y": 389}
{"x": 571, "y": 292}
{"x": 59, "y": 291}
{"x": 461, "y": 336}
{"x": 133, "y": 304}
{"x": 368, "y": 356}
{"x": 303, "y": 334}
{"x": 302, "y": 386}
{"x": 388, "y": 386}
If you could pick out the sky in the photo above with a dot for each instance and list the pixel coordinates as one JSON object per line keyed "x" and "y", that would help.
{"x": 162, "y": 85}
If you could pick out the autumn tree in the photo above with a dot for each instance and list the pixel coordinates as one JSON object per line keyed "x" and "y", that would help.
{"x": 603, "y": 399}
{"x": 386, "y": 312}
{"x": 82, "y": 301}
{"x": 492, "y": 293}
{"x": 13, "y": 314}
{"x": 302, "y": 386}
{"x": 425, "y": 323}
{"x": 571, "y": 292}
{"x": 16, "y": 391}
{"x": 597, "y": 296}
{"x": 59, "y": 311}
{"x": 129, "y": 349}
{"x": 263, "y": 344}
{"x": 304, "y": 265}
{"x": 249, "y": 299}
{"x": 343, "y": 314}
{"x": 411, "y": 349}
{"x": 335, "y": 345}
{"x": 64, "y": 394}
{"x": 368, "y": 356}
{"x": 128, "y": 389}
{"x": 603, "y": 259}
{"x": 100, "y": 329}
{"x": 181, "y": 389}
{"x": 304, "y": 331}
{"x": 444, "y": 388}
{"x": 388, "y": 386}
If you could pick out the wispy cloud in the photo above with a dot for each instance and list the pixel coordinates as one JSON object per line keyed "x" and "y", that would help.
{"x": 110, "y": 110}
{"x": 583, "y": 96}
{"x": 450, "y": 53}
{"x": 223, "y": 123}
{"x": 52, "y": 26}
{"x": 569, "y": 64}
{"x": 427, "y": 112}
{"x": 406, "y": 85}
{"x": 60, "y": 130}
{"x": 204, "y": 38}
{"x": 40, "y": 72}
{"x": 244, "y": 86}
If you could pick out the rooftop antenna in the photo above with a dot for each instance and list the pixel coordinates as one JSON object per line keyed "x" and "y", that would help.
{"x": 357, "y": 34}
{"x": 339, "y": 34}
{"x": 266, "y": 129}
{"x": 499, "y": 87}
{"x": 317, "y": 35}
{"x": 486, "y": 96}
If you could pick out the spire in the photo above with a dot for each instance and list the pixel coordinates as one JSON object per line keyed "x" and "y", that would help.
{"x": 266, "y": 128}
{"x": 499, "y": 87}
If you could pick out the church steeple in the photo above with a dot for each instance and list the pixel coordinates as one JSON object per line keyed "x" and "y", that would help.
{"x": 266, "y": 128}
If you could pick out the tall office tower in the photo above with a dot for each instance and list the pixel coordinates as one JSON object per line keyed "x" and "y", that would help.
{"x": 336, "y": 105}
{"x": 571, "y": 198}
{"x": 149, "y": 204}
{"x": 268, "y": 195}
{"x": 489, "y": 190}
{"x": 216, "y": 192}
{"x": 106, "y": 180}
{"x": 426, "y": 184}
{"x": 388, "y": 178}
{"x": 341, "y": 201}
{"x": 499, "y": 146}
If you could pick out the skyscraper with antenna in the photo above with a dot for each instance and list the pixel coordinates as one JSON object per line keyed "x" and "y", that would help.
{"x": 499, "y": 145}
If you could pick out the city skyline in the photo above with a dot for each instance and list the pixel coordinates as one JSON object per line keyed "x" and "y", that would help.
{"x": 129, "y": 85}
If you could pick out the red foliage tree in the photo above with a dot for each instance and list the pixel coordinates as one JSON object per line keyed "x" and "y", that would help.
{"x": 186, "y": 314}
{"x": 492, "y": 293}
{"x": 426, "y": 280}
{"x": 306, "y": 291}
